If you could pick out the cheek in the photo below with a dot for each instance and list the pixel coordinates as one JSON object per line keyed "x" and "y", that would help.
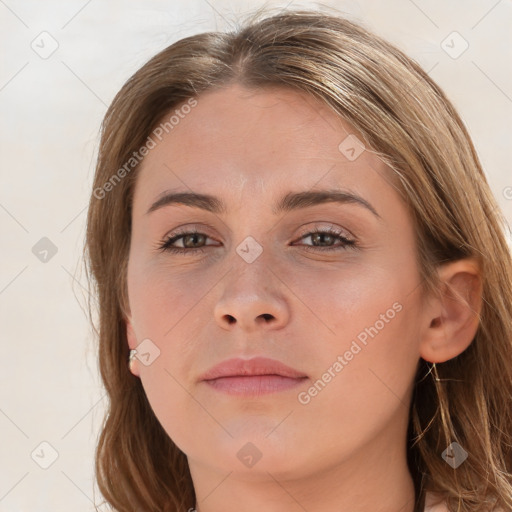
{"x": 362, "y": 388}
{"x": 369, "y": 349}
{"x": 345, "y": 302}
{"x": 162, "y": 300}
{"x": 167, "y": 310}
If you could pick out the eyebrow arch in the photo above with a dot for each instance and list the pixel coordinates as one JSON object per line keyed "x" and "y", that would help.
{"x": 291, "y": 201}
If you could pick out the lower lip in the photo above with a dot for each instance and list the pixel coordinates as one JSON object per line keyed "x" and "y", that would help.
{"x": 254, "y": 385}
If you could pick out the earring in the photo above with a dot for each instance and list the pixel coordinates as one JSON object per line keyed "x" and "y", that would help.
{"x": 434, "y": 369}
{"x": 131, "y": 358}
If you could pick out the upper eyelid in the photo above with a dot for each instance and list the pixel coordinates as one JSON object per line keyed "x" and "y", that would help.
{"x": 320, "y": 225}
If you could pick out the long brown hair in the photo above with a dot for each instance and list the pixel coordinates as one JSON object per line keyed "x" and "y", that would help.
{"x": 404, "y": 117}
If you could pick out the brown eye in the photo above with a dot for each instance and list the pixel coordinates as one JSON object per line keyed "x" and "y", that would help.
{"x": 324, "y": 240}
{"x": 192, "y": 241}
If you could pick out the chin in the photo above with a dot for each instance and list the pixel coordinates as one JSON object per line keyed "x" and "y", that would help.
{"x": 253, "y": 457}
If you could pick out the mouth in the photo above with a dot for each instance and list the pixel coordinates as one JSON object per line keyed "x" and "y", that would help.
{"x": 252, "y": 377}
{"x": 254, "y": 385}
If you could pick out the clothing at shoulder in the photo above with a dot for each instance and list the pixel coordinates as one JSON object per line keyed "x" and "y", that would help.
{"x": 434, "y": 503}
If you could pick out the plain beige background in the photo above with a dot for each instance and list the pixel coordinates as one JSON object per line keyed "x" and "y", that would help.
{"x": 61, "y": 65}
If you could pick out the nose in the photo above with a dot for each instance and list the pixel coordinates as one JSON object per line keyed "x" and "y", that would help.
{"x": 252, "y": 298}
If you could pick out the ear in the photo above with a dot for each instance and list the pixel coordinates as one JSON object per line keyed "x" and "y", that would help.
{"x": 451, "y": 320}
{"x": 132, "y": 343}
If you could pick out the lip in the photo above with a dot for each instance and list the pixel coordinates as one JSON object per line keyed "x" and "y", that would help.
{"x": 252, "y": 377}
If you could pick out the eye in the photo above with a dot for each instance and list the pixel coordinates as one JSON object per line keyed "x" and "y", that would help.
{"x": 326, "y": 238}
{"x": 188, "y": 239}
{"x": 194, "y": 241}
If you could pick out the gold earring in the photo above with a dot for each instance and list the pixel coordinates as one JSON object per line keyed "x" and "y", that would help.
{"x": 434, "y": 369}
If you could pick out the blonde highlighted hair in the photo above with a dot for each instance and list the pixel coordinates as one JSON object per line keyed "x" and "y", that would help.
{"x": 408, "y": 121}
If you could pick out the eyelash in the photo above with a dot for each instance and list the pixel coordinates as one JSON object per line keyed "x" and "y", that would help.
{"x": 346, "y": 243}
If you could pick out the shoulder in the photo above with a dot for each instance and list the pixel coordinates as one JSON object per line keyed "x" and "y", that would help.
{"x": 434, "y": 503}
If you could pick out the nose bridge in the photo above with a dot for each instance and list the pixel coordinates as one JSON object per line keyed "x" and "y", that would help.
{"x": 251, "y": 295}
{"x": 250, "y": 272}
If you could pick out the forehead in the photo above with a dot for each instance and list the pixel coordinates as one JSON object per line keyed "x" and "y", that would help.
{"x": 259, "y": 140}
{"x": 259, "y": 123}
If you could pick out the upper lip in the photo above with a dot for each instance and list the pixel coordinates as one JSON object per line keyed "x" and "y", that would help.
{"x": 246, "y": 367}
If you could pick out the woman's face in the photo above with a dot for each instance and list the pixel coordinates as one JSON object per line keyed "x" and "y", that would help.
{"x": 269, "y": 274}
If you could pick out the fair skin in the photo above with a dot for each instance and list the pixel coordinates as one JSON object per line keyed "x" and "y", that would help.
{"x": 345, "y": 449}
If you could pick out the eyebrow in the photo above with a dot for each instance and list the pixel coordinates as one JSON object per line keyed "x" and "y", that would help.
{"x": 291, "y": 201}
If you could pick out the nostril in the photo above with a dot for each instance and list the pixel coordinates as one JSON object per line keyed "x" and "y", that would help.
{"x": 267, "y": 317}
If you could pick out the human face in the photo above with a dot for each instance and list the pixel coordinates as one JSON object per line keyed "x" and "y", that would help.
{"x": 346, "y": 319}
